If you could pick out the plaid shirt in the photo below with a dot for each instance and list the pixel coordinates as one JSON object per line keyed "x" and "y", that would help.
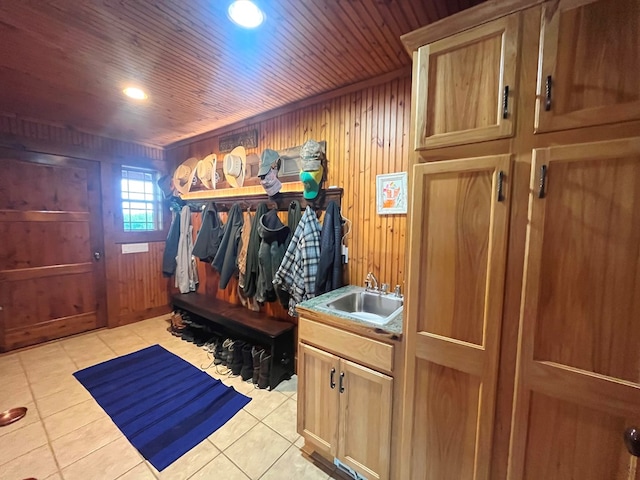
{"x": 297, "y": 272}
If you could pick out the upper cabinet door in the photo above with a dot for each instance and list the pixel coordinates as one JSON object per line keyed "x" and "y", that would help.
{"x": 466, "y": 86}
{"x": 457, "y": 254}
{"x": 578, "y": 382}
{"x": 589, "y": 64}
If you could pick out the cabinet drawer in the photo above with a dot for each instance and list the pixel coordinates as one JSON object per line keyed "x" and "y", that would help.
{"x": 349, "y": 345}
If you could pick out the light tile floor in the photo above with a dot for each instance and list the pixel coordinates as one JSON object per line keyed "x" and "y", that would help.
{"x": 66, "y": 435}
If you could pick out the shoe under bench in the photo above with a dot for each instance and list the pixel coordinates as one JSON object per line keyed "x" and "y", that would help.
{"x": 237, "y": 322}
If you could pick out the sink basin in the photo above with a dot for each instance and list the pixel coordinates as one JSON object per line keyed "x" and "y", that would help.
{"x": 369, "y": 306}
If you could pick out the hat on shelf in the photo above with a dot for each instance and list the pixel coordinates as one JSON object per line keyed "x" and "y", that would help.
{"x": 206, "y": 171}
{"x": 311, "y": 182}
{"x": 234, "y": 166}
{"x": 270, "y": 182}
{"x": 267, "y": 160}
{"x": 311, "y": 155}
{"x": 184, "y": 175}
{"x": 165, "y": 183}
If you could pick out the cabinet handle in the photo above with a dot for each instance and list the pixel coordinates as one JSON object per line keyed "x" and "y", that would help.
{"x": 331, "y": 382}
{"x": 547, "y": 100}
{"x": 500, "y": 183}
{"x": 542, "y": 187}
{"x": 505, "y": 102}
{"x": 341, "y": 382}
{"x": 632, "y": 440}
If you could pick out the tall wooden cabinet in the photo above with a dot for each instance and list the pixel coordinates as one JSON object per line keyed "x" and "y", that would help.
{"x": 548, "y": 278}
{"x": 579, "y": 376}
{"x": 457, "y": 276}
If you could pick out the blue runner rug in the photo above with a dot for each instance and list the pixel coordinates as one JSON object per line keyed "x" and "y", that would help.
{"x": 164, "y": 405}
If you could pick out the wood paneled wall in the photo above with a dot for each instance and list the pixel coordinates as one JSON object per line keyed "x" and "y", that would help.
{"x": 142, "y": 290}
{"x": 20, "y": 128}
{"x": 134, "y": 284}
{"x": 367, "y": 133}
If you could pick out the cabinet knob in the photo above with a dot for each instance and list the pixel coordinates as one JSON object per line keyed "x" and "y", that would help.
{"x": 505, "y": 102}
{"x": 341, "y": 382}
{"x": 547, "y": 94}
{"x": 332, "y": 384}
{"x": 542, "y": 185}
{"x": 499, "y": 187}
{"x": 632, "y": 440}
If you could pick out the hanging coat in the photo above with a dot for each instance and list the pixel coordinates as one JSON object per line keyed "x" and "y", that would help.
{"x": 244, "y": 246}
{"x": 273, "y": 234}
{"x": 251, "y": 276}
{"x": 226, "y": 257}
{"x": 186, "y": 272}
{"x": 330, "y": 266}
{"x": 173, "y": 237}
{"x": 209, "y": 236}
{"x": 297, "y": 272}
{"x": 171, "y": 247}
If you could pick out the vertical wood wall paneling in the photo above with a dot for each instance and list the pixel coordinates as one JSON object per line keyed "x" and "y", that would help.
{"x": 58, "y": 135}
{"x": 366, "y": 133}
{"x": 143, "y": 291}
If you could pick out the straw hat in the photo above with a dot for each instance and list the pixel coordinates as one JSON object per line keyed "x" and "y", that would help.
{"x": 206, "y": 171}
{"x": 184, "y": 174}
{"x": 234, "y": 166}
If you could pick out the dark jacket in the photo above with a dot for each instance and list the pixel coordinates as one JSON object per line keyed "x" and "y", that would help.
{"x": 293, "y": 219}
{"x": 225, "y": 260}
{"x": 209, "y": 236}
{"x": 171, "y": 246}
{"x": 330, "y": 266}
{"x": 251, "y": 275}
{"x": 273, "y": 234}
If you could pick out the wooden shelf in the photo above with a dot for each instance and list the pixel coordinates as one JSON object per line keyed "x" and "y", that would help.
{"x": 250, "y": 197}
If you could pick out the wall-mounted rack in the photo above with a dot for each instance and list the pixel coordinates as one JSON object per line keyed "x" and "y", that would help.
{"x": 281, "y": 201}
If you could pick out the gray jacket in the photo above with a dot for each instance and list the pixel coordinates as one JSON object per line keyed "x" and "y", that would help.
{"x": 186, "y": 271}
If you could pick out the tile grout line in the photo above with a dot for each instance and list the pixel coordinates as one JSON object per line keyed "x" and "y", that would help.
{"x": 46, "y": 433}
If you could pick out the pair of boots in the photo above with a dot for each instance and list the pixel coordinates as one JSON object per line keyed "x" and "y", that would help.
{"x": 235, "y": 355}
{"x": 177, "y": 325}
{"x": 261, "y": 360}
{"x": 223, "y": 354}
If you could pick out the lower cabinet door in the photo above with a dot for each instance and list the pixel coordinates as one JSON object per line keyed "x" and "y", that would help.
{"x": 364, "y": 441}
{"x": 318, "y": 397}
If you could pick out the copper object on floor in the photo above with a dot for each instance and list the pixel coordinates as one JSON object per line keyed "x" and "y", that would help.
{"x": 12, "y": 415}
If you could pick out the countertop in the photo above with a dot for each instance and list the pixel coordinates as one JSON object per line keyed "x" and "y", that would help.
{"x": 392, "y": 329}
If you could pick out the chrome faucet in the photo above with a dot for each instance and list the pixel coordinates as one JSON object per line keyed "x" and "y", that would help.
{"x": 368, "y": 281}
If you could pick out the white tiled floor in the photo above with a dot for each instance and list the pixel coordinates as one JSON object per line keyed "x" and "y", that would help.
{"x": 66, "y": 435}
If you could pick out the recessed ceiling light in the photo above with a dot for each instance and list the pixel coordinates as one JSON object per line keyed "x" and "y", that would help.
{"x": 136, "y": 93}
{"x": 246, "y": 14}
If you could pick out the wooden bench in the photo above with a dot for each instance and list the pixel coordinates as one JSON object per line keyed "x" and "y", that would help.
{"x": 240, "y": 323}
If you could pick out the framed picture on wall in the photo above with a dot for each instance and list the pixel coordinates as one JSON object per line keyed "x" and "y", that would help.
{"x": 391, "y": 193}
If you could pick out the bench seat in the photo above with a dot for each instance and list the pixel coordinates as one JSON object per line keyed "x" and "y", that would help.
{"x": 240, "y": 323}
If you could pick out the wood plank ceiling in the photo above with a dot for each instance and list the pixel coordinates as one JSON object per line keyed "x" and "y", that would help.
{"x": 67, "y": 61}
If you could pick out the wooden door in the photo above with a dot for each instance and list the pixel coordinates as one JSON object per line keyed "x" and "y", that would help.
{"x": 578, "y": 383}
{"x": 457, "y": 255}
{"x": 366, "y": 402}
{"x": 466, "y": 86}
{"x": 589, "y": 64}
{"x": 50, "y": 225}
{"x": 318, "y": 398}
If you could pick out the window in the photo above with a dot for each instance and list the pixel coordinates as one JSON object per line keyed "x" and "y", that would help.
{"x": 141, "y": 201}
